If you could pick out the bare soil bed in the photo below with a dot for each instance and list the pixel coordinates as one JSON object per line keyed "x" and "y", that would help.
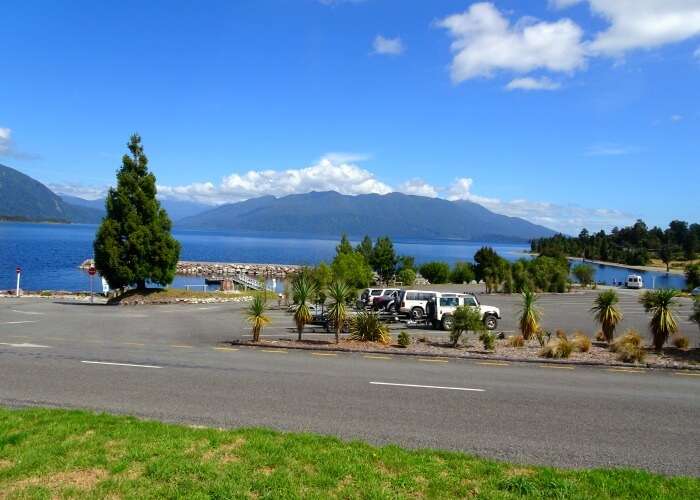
{"x": 473, "y": 349}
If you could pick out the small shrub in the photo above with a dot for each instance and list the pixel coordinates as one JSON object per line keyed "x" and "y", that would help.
{"x": 561, "y": 334}
{"x": 600, "y": 336}
{"x": 680, "y": 341}
{"x": 516, "y": 341}
{"x": 489, "y": 340}
{"x": 630, "y": 353}
{"x": 404, "y": 340}
{"x": 423, "y": 339}
{"x": 558, "y": 348}
{"x": 543, "y": 336}
{"x": 632, "y": 337}
{"x": 629, "y": 348}
{"x": 582, "y": 343}
{"x": 367, "y": 327}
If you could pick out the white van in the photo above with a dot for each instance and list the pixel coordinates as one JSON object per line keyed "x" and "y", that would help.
{"x": 414, "y": 302}
{"x": 634, "y": 281}
{"x": 448, "y": 302}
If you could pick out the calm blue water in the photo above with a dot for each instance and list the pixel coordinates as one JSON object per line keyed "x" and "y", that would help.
{"x": 50, "y": 254}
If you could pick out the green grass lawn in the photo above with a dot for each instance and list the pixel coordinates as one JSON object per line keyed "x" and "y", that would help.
{"x": 57, "y": 453}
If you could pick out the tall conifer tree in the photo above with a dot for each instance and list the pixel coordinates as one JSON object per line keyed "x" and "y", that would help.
{"x": 133, "y": 245}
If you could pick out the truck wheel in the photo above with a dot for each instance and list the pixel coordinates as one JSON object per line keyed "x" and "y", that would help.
{"x": 447, "y": 322}
{"x": 416, "y": 313}
{"x": 490, "y": 322}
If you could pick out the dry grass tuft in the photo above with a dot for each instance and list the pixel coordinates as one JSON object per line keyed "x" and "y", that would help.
{"x": 680, "y": 341}
{"x": 558, "y": 348}
{"x": 561, "y": 334}
{"x": 516, "y": 341}
{"x": 629, "y": 347}
{"x": 582, "y": 343}
{"x": 632, "y": 337}
{"x": 600, "y": 336}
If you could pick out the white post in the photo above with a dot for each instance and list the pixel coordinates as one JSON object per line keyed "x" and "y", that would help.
{"x": 92, "y": 295}
{"x": 17, "y": 291}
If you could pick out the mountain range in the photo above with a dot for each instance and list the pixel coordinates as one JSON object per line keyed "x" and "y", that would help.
{"x": 310, "y": 214}
{"x": 25, "y": 199}
{"x": 395, "y": 214}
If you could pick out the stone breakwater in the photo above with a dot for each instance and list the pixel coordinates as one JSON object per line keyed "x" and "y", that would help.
{"x": 207, "y": 269}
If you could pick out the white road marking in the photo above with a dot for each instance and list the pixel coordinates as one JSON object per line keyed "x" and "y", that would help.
{"x": 429, "y": 387}
{"x": 25, "y": 345}
{"x": 119, "y": 364}
{"x": 18, "y": 322}
{"x": 28, "y": 312}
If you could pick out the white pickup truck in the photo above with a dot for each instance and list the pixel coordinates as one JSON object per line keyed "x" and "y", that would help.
{"x": 445, "y": 306}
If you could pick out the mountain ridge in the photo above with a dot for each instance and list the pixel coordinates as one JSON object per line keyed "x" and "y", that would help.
{"x": 328, "y": 213}
{"x": 23, "y": 198}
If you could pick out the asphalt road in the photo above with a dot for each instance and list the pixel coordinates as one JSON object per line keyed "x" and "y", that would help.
{"x": 169, "y": 364}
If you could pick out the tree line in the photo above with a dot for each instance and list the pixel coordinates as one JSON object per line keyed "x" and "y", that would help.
{"x": 632, "y": 245}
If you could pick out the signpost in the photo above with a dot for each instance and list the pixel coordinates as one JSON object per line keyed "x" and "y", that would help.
{"x": 19, "y": 274}
{"x": 92, "y": 271}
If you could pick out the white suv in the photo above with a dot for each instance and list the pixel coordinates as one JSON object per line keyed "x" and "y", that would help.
{"x": 446, "y": 303}
{"x": 414, "y": 302}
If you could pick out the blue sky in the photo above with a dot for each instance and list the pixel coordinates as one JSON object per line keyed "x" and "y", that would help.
{"x": 569, "y": 113}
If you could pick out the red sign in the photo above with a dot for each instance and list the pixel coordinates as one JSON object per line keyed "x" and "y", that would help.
{"x": 19, "y": 269}
{"x": 92, "y": 271}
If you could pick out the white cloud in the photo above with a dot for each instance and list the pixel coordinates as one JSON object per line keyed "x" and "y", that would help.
{"x": 696, "y": 54}
{"x": 328, "y": 174}
{"x": 644, "y": 24}
{"x": 387, "y": 46}
{"x": 8, "y": 149}
{"x": 676, "y": 118}
{"x": 418, "y": 187}
{"x": 609, "y": 150}
{"x": 563, "y": 4}
{"x": 79, "y": 190}
{"x": 529, "y": 83}
{"x": 484, "y": 42}
{"x": 565, "y": 218}
{"x": 5, "y": 134}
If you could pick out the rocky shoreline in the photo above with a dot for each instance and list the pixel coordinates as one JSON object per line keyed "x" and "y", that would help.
{"x": 187, "y": 268}
{"x": 209, "y": 269}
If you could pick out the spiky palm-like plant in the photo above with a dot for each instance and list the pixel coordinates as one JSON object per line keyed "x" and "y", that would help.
{"x": 606, "y": 313}
{"x": 303, "y": 290}
{"x": 256, "y": 316}
{"x": 366, "y": 326}
{"x": 339, "y": 293}
{"x": 529, "y": 321}
{"x": 663, "y": 323}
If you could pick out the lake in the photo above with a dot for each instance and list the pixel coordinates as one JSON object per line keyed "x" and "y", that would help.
{"x": 49, "y": 254}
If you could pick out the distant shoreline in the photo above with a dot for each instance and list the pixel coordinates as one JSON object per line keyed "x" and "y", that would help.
{"x": 652, "y": 269}
{"x": 648, "y": 269}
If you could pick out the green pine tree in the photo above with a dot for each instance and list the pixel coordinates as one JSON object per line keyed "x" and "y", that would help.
{"x": 133, "y": 244}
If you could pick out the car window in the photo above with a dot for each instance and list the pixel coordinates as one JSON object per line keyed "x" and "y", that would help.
{"x": 412, "y": 296}
{"x": 449, "y": 301}
{"x": 375, "y": 293}
{"x": 388, "y": 292}
{"x": 470, "y": 301}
